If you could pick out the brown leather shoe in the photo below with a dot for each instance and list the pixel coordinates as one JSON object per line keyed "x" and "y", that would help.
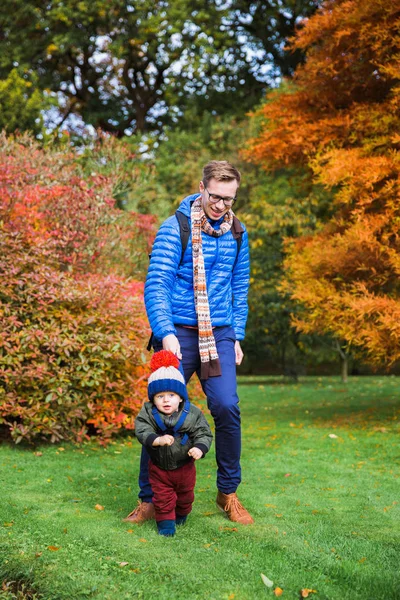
{"x": 143, "y": 512}
{"x": 235, "y": 511}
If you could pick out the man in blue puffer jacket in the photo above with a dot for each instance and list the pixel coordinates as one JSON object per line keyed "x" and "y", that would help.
{"x": 197, "y": 308}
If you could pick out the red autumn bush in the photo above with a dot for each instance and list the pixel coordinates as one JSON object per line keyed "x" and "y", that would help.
{"x": 73, "y": 325}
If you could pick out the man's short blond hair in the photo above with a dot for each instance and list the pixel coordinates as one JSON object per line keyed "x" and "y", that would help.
{"x": 220, "y": 170}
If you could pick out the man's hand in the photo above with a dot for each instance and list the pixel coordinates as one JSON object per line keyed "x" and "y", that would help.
{"x": 238, "y": 353}
{"x": 171, "y": 342}
{"x": 164, "y": 440}
{"x": 195, "y": 453}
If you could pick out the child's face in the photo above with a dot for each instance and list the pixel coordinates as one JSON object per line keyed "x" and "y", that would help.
{"x": 167, "y": 402}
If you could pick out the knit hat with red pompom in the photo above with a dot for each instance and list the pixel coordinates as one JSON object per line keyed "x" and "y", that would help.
{"x": 165, "y": 376}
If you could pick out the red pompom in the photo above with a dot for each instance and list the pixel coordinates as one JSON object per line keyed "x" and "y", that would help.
{"x": 163, "y": 358}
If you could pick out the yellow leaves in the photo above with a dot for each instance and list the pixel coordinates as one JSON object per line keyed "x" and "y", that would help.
{"x": 305, "y": 592}
{"x": 51, "y": 48}
{"x": 123, "y": 564}
{"x": 53, "y": 548}
{"x": 99, "y": 507}
{"x": 257, "y": 243}
{"x": 278, "y": 591}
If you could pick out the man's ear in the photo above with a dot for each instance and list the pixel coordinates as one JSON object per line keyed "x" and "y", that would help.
{"x": 201, "y": 187}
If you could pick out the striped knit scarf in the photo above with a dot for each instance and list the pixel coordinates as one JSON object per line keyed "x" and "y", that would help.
{"x": 210, "y": 365}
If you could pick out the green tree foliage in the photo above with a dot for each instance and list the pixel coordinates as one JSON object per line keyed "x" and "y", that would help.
{"x": 21, "y": 104}
{"x": 134, "y": 186}
{"x": 123, "y": 65}
{"x": 267, "y": 25}
{"x": 131, "y": 66}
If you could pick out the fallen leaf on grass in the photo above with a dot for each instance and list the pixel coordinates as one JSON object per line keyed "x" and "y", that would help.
{"x": 287, "y": 474}
{"x": 228, "y": 529}
{"x": 123, "y": 564}
{"x": 99, "y": 507}
{"x": 333, "y": 436}
{"x": 38, "y": 554}
{"x": 278, "y": 591}
{"x": 266, "y": 581}
{"x": 142, "y": 540}
{"x": 363, "y": 559}
{"x": 129, "y": 531}
{"x": 38, "y": 453}
{"x": 306, "y": 592}
{"x": 53, "y": 548}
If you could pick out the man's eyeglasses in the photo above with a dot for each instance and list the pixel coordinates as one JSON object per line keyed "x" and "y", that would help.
{"x": 214, "y": 199}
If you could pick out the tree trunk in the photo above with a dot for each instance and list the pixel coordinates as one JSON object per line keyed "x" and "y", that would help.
{"x": 345, "y": 367}
{"x": 344, "y": 362}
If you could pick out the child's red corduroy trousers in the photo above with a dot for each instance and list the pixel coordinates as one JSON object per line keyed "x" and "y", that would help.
{"x": 173, "y": 491}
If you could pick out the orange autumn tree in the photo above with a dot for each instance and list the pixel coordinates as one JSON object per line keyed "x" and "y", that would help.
{"x": 340, "y": 118}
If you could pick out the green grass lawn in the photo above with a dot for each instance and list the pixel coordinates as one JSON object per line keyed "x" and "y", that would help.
{"x": 320, "y": 476}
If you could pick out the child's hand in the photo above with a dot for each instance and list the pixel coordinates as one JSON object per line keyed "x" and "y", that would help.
{"x": 164, "y": 440}
{"x": 195, "y": 453}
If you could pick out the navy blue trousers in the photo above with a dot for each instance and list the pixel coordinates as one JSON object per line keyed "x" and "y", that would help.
{"x": 222, "y": 401}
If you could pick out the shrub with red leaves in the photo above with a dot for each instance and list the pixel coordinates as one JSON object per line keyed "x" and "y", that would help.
{"x": 72, "y": 324}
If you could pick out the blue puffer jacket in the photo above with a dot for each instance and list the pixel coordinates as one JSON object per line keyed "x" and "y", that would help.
{"x": 168, "y": 293}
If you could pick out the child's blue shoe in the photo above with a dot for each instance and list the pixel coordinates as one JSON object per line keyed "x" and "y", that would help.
{"x": 181, "y": 519}
{"x": 166, "y": 527}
